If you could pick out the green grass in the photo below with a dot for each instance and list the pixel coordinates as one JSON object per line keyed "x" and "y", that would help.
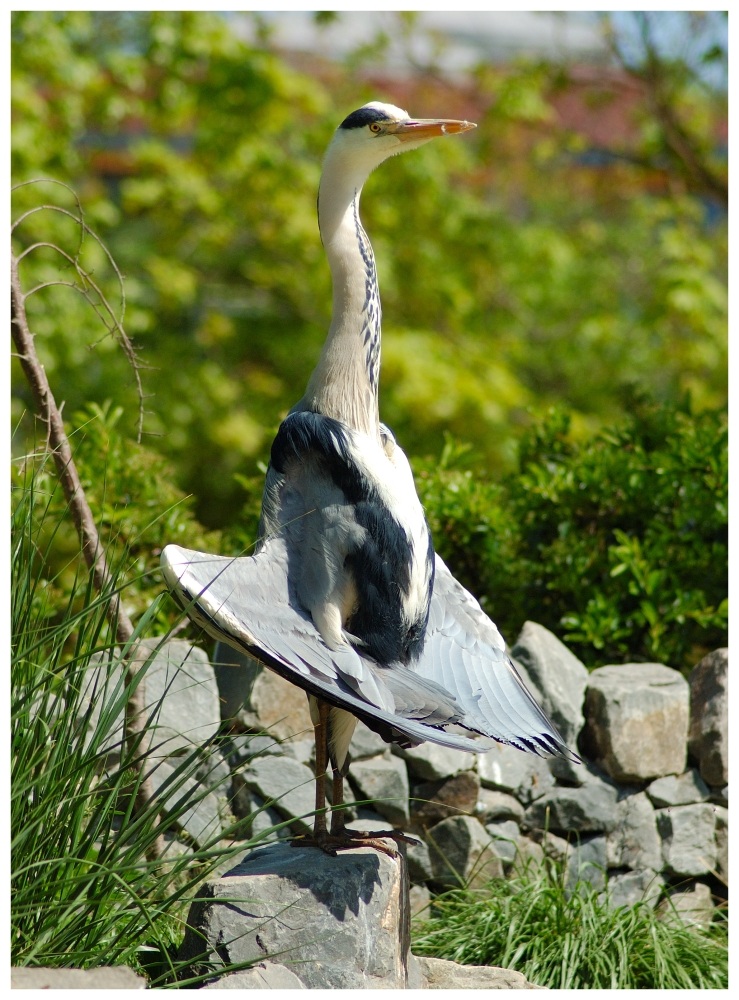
{"x": 570, "y": 940}
{"x": 83, "y": 890}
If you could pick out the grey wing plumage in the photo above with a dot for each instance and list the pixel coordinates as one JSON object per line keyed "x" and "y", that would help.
{"x": 465, "y": 653}
{"x": 248, "y": 603}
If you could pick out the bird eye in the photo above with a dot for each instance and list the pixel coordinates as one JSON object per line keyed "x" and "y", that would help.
{"x": 375, "y": 127}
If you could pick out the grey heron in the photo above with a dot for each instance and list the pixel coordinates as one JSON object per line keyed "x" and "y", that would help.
{"x": 344, "y": 595}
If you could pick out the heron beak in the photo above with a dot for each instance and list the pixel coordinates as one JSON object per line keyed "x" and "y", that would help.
{"x": 428, "y": 128}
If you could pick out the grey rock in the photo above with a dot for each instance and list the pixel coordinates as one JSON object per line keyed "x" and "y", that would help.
{"x": 285, "y": 785}
{"x": 384, "y": 781}
{"x": 416, "y": 978}
{"x": 708, "y": 741}
{"x": 173, "y": 847}
{"x": 506, "y": 829}
{"x": 587, "y": 809}
{"x": 419, "y": 899}
{"x": 208, "y": 769}
{"x": 493, "y": 806}
{"x": 637, "y": 721}
{"x": 368, "y": 820}
{"x": 117, "y": 977}
{"x": 510, "y": 770}
{"x": 529, "y": 853}
{"x": 433, "y": 801}
{"x": 365, "y": 743}
{"x": 691, "y": 907}
{"x": 301, "y": 750}
{"x": 430, "y": 762}
{"x": 243, "y": 800}
{"x": 629, "y": 888}
{"x": 179, "y": 677}
{"x": 557, "y": 848}
{"x": 688, "y": 838}
{"x": 559, "y": 677}
{"x": 264, "y": 976}
{"x": 419, "y": 862}
{"x": 722, "y": 842}
{"x": 259, "y": 699}
{"x": 505, "y": 835}
{"x": 634, "y": 841}
{"x": 462, "y": 853}
{"x": 679, "y": 789}
{"x": 244, "y": 747}
{"x": 179, "y": 693}
{"x": 338, "y": 922}
{"x": 569, "y": 772}
{"x": 258, "y": 821}
{"x": 586, "y": 863}
{"x": 442, "y": 975}
{"x": 201, "y": 814}
{"x": 213, "y": 769}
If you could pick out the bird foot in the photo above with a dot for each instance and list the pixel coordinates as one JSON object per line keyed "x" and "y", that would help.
{"x": 332, "y": 843}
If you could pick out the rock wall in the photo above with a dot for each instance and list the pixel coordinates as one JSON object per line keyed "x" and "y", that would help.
{"x": 648, "y": 806}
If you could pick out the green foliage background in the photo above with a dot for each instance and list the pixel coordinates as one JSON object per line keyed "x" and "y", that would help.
{"x": 514, "y": 277}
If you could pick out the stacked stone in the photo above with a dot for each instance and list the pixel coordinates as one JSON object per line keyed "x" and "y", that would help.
{"x": 648, "y": 805}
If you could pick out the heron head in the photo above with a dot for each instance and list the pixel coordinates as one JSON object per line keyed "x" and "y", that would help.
{"x": 376, "y": 131}
{"x": 366, "y": 138}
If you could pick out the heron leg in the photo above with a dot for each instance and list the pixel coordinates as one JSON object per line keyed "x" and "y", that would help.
{"x": 339, "y": 839}
{"x": 343, "y": 839}
{"x": 338, "y": 819}
{"x": 320, "y": 830}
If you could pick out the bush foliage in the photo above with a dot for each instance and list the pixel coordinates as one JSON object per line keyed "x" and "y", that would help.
{"x": 618, "y": 544}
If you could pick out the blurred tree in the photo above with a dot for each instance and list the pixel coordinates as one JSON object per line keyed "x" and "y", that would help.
{"x": 680, "y": 126}
{"x": 513, "y": 274}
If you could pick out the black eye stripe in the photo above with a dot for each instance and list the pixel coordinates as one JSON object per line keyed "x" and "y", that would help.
{"x": 362, "y": 117}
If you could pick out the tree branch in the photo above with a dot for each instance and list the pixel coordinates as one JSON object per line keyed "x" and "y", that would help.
{"x": 685, "y": 150}
{"x": 92, "y": 547}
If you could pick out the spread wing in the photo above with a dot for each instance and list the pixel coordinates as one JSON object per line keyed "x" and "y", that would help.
{"x": 462, "y": 677}
{"x": 248, "y": 603}
{"x": 465, "y": 653}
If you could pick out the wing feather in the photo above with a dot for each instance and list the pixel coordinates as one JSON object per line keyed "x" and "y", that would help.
{"x": 463, "y": 676}
{"x": 465, "y": 653}
{"x": 246, "y": 602}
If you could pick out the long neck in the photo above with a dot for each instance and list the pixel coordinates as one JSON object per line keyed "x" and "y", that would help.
{"x": 345, "y": 381}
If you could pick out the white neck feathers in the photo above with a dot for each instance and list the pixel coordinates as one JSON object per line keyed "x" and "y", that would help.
{"x": 345, "y": 381}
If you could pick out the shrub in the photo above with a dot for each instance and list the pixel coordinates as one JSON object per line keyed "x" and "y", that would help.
{"x": 138, "y": 510}
{"x": 618, "y": 544}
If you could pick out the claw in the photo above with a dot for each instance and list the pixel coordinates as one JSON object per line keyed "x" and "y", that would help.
{"x": 332, "y": 843}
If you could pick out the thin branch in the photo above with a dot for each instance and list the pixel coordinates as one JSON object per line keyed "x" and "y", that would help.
{"x": 98, "y": 301}
{"x": 92, "y": 547}
{"x": 652, "y": 73}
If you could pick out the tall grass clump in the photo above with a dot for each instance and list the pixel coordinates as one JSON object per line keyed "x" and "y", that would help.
{"x": 87, "y": 888}
{"x": 565, "y": 938}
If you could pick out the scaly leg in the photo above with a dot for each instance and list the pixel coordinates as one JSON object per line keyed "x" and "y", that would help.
{"x": 320, "y": 830}
{"x": 339, "y": 839}
{"x": 337, "y": 801}
{"x": 343, "y": 839}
